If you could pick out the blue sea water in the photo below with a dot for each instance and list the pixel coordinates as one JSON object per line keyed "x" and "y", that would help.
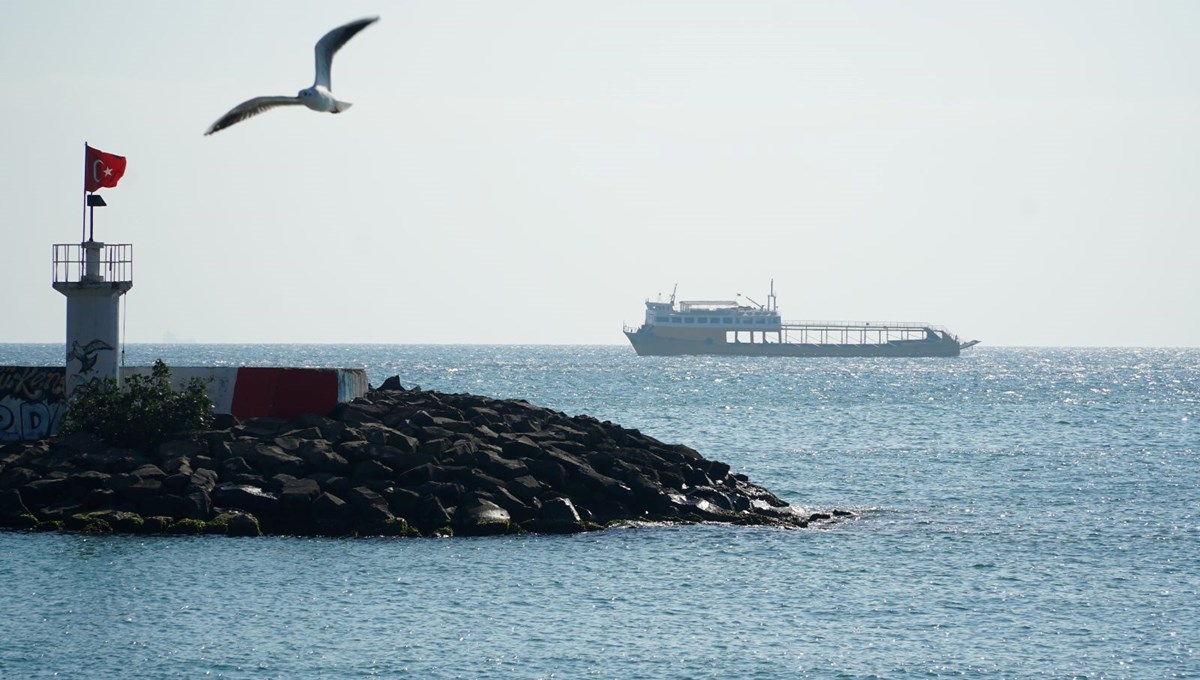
{"x": 1021, "y": 513}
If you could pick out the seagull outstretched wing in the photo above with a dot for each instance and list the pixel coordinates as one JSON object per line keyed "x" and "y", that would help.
{"x": 251, "y": 107}
{"x": 331, "y": 43}
{"x": 318, "y": 97}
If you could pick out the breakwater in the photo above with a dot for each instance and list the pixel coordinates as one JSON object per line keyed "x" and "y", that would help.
{"x": 394, "y": 462}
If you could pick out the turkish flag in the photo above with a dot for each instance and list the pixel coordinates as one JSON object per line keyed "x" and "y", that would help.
{"x": 102, "y": 169}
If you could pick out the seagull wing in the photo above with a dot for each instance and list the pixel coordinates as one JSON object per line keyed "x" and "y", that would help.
{"x": 250, "y": 107}
{"x": 95, "y": 346}
{"x": 331, "y": 43}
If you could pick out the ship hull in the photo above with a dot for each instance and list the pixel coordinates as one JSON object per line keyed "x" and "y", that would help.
{"x": 646, "y": 343}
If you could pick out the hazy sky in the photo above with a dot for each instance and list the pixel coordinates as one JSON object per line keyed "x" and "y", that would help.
{"x": 1025, "y": 173}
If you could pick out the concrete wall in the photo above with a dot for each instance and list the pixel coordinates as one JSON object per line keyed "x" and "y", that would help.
{"x": 33, "y": 399}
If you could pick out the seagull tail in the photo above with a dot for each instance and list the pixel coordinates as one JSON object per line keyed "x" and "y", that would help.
{"x": 338, "y": 106}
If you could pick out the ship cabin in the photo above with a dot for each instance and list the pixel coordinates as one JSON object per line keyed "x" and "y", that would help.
{"x": 714, "y": 315}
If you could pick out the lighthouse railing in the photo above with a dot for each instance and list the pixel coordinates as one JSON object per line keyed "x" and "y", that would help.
{"x": 115, "y": 264}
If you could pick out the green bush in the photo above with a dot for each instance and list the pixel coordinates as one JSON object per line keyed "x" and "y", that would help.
{"x": 143, "y": 414}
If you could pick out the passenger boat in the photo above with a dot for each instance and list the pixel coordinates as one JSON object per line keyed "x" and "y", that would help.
{"x": 729, "y": 327}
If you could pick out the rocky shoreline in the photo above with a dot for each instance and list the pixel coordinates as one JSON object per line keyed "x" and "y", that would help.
{"x": 396, "y": 462}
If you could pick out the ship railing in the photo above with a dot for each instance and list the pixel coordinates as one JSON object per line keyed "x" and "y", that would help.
{"x": 865, "y": 324}
{"x": 856, "y": 332}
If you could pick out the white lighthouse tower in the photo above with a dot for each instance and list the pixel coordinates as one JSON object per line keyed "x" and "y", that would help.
{"x": 93, "y": 276}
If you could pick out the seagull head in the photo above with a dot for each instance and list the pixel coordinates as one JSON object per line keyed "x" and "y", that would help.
{"x": 316, "y": 98}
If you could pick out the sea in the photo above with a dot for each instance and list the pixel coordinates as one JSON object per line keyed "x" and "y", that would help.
{"x": 1018, "y": 512}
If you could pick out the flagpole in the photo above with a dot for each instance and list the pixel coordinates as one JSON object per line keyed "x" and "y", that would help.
{"x": 83, "y": 229}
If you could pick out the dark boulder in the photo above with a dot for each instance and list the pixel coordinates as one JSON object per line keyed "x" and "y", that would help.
{"x": 251, "y": 499}
{"x": 12, "y": 506}
{"x": 430, "y": 516}
{"x": 169, "y": 506}
{"x": 196, "y": 505}
{"x": 556, "y": 516}
{"x": 270, "y": 460}
{"x": 480, "y": 517}
{"x": 331, "y": 515}
{"x": 369, "y": 507}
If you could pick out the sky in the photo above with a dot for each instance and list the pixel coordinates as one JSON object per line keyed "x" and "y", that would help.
{"x": 1025, "y": 173}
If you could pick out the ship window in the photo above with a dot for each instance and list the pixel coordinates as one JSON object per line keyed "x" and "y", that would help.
{"x": 689, "y": 320}
{"x": 661, "y": 319}
{"x": 728, "y": 321}
{"x": 760, "y": 322}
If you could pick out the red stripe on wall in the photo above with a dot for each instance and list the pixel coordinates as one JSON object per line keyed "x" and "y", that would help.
{"x": 284, "y": 392}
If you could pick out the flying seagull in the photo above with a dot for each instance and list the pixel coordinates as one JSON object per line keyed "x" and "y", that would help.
{"x": 318, "y": 97}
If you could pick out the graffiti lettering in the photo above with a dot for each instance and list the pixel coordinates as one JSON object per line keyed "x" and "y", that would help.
{"x": 7, "y": 433}
{"x": 32, "y": 398}
{"x": 35, "y": 421}
{"x": 33, "y": 383}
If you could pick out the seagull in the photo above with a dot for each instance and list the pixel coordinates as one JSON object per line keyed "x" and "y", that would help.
{"x": 87, "y": 355}
{"x": 318, "y": 97}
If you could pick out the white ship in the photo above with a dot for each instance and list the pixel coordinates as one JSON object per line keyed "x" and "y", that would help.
{"x": 732, "y": 328}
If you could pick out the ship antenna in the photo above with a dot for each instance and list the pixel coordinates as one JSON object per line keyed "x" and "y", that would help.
{"x": 771, "y": 303}
{"x": 673, "y": 294}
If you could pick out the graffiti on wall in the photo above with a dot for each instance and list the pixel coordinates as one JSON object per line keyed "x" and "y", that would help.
{"x": 87, "y": 355}
{"x": 32, "y": 399}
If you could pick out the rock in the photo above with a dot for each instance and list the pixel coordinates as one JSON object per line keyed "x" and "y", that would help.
{"x": 11, "y": 505}
{"x": 400, "y": 501}
{"x": 148, "y": 471}
{"x": 369, "y": 506}
{"x": 87, "y": 524}
{"x": 176, "y": 483}
{"x": 442, "y": 463}
{"x": 260, "y": 428}
{"x": 120, "y": 521}
{"x": 45, "y": 491}
{"x": 430, "y": 516}
{"x": 297, "y": 492}
{"x": 141, "y": 489}
{"x": 240, "y": 524}
{"x": 480, "y": 517}
{"x": 331, "y": 515}
{"x": 167, "y": 506}
{"x": 271, "y": 460}
{"x": 181, "y": 448}
{"x": 179, "y": 465}
{"x": 252, "y": 499}
{"x": 319, "y": 456}
{"x": 373, "y": 469}
{"x": 83, "y": 482}
{"x": 224, "y": 421}
{"x": 236, "y": 465}
{"x": 17, "y": 477}
{"x": 101, "y": 499}
{"x": 196, "y": 505}
{"x": 204, "y": 479}
{"x": 556, "y": 516}
{"x": 157, "y": 524}
{"x": 521, "y": 447}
